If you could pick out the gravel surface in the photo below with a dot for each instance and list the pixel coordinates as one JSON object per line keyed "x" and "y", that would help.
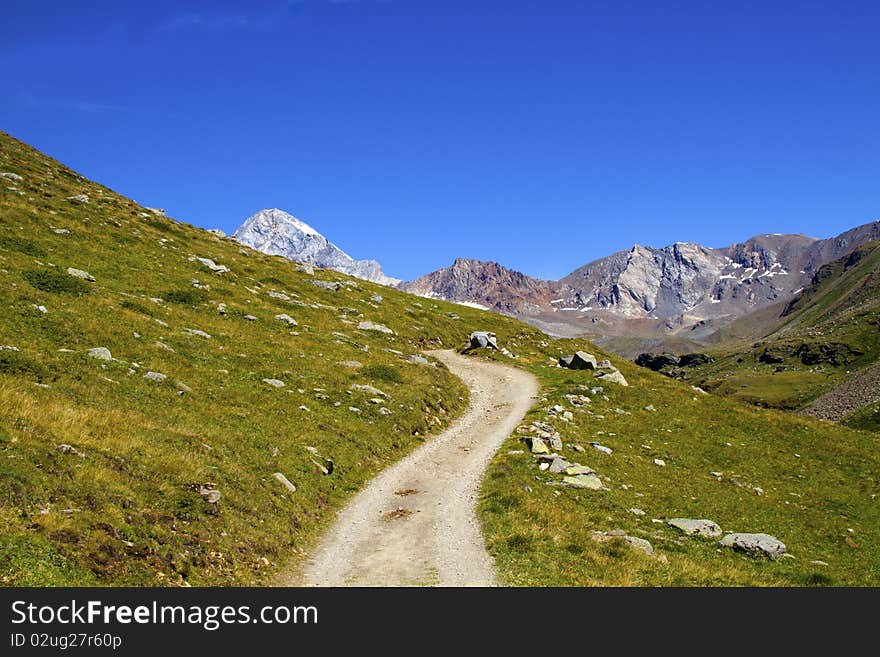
{"x": 415, "y": 524}
{"x": 848, "y": 397}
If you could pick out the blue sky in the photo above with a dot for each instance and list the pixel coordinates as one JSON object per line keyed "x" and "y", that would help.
{"x": 541, "y": 134}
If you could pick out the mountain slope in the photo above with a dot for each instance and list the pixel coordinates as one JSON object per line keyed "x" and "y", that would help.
{"x": 109, "y": 476}
{"x": 816, "y": 341}
{"x": 683, "y": 291}
{"x": 276, "y": 232}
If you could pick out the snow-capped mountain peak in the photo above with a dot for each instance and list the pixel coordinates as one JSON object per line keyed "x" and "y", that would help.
{"x": 276, "y": 232}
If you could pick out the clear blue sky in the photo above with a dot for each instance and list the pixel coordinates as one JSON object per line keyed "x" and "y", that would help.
{"x": 542, "y": 134}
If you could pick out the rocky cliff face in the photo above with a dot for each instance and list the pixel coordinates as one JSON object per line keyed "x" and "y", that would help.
{"x": 276, "y": 232}
{"x": 672, "y": 287}
{"x": 486, "y": 284}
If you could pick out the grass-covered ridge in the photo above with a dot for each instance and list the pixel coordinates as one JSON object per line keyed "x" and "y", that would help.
{"x": 812, "y": 484}
{"x": 127, "y": 502}
{"x": 133, "y": 508}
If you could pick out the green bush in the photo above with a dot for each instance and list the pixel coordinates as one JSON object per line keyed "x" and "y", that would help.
{"x": 14, "y": 243}
{"x": 14, "y": 362}
{"x": 187, "y": 297}
{"x": 55, "y": 282}
{"x": 382, "y": 373}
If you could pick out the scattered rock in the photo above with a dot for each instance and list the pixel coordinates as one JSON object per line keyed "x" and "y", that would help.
{"x": 583, "y": 481}
{"x": 602, "y": 448}
{"x": 79, "y": 199}
{"x": 580, "y": 360}
{"x": 419, "y": 360}
{"x": 636, "y": 511}
{"x": 155, "y": 376}
{"x": 703, "y": 527}
{"x": 384, "y": 411}
{"x": 40, "y": 309}
{"x": 693, "y": 360}
{"x": 559, "y": 465}
{"x": 370, "y": 326}
{"x": 306, "y": 269}
{"x": 325, "y": 285}
{"x": 102, "y": 353}
{"x": 538, "y": 446}
{"x": 213, "y": 266}
{"x": 757, "y": 544}
{"x": 61, "y": 231}
{"x": 221, "y": 308}
{"x": 79, "y": 273}
{"x": 183, "y": 387}
{"x": 250, "y": 318}
{"x": 197, "y": 332}
{"x": 64, "y": 448}
{"x": 660, "y": 462}
{"x": 278, "y": 295}
{"x": 275, "y": 383}
{"x": 209, "y": 494}
{"x": 650, "y": 408}
{"x": 287, "y": 319}
{"x": 285, "y": 482}
{"x": 369, "y": 389}
{"x": 217, "y": 232}
{"x": 482, "y": 340}
{"x": 770, "y": 357}
{"x": 11, "y": 176}
{"x": 351, "y": 363}
{"x": 376, "y": 298}
{"x": 657, "y": 362}
{"x": 355, "y": 409}
{"x": 578, "y": 469}
{"x": 612, "y": 377}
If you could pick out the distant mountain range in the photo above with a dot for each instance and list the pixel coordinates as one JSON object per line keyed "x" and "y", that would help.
{"x": 276, "y": 232}
{"x": 683, "y": 290}
{"x": 680, "y": 289}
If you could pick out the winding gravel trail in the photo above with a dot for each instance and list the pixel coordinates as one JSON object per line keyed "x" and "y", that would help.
{"x": 432, "y": 536}
{"x": 848, "y": 397}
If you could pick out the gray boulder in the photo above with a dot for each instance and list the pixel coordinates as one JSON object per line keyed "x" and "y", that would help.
{"x": 581, "y": 360}
{"x": 155, "y": 376}
{"x": 583, "y": 481}
{"x": 369, "y": 389}
{"x": 275, "y": 383}
{"x": 418, "y": 359}
{"x": 287, "y": 319}
{"x": 559, "y": 465}
{"x": 756, "y": 544}
{"x": 79, "y": 273}
{"x": 612, "y": 377}
{"x": 371, "y": 326}
{"x": 102, "y": 353}
{"x": 79, "y": 199}
{"x": 11, "y": 176}
{"x": 483, "y": 339}
{"x": 325, "y": 285}
{"x": 703, "y": 527}
{"x": 285, "y": 482}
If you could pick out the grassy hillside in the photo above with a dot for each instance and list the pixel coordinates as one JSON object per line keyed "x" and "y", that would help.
{"x": 108, "y": 477}
{"x": 812, "y": 484}
{"x": 130, "y": 509}
{"x": 829, "y": 331}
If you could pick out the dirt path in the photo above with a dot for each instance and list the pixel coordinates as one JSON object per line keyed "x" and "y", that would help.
{"x": 848, "y": 397}
{"x": 433, "y": 536}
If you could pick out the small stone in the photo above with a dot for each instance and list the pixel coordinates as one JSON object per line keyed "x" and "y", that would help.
{"x": 650, "y": 407}
{"x": 155, "y": 376}
{"x": 213, "y": 266}
{"x": 210, "y": 495}
{"x": 221, "y": 308}
{"x": 183, "y": 387}
{"x": 79, "y": 199}
{"x": 369, "y": 389}
{"x": 384, "y": 411}
{"x": 538, "y": 446}
{"x": 197, "y": 332}
{"x": 11, "y": 176}
{"x": 759, "y": 544}
{"x": 287, "y": 319}
{"x": 61, "y": 231}
{"x": 355, "y": 409}
{"x": 583, "y": 481}
{"x": 419, "y": 360}
{"x": 578, "y": 448}
{"x": 275, "y": 383}
{"x": 612, "y": 377}
{"x": 702, "y": 527}
{"x": 79, "y": 273}
{"x": 559, "y": 465}
{"x": 250, "y": 318}
{"x": 101, "y": 353}
{"x": 40, "y": 309}
{"x": 660, "y": 462}
{"x": 376, "y": 298}
{"x": 636, "y": 511}
{"x": 575, "y": 470}
{"x": 64, "y": 448}
{"x": 370, "y": 326}
{"x": 817, "y": 562}
{"x": 306, "y": 269}
{"x": 602, "y": 448}
{"x": 285, "y": 482}
{"x": 351, "y": 363}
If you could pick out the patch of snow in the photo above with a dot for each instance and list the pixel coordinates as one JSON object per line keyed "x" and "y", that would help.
{"x": 472, "y": 304}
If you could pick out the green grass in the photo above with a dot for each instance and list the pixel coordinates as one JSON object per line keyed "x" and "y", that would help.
{"x": 128, "y": 511}
{"x": 819, "y": 480}
{"x": 867, "y": 419}
{"x": 839, "y": 311}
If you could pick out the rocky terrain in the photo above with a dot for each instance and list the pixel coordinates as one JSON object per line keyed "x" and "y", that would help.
{"x": 683, "y": 289}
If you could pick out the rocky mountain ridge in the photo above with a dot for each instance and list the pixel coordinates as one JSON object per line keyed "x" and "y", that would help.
{"x": 276, "y": 232}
